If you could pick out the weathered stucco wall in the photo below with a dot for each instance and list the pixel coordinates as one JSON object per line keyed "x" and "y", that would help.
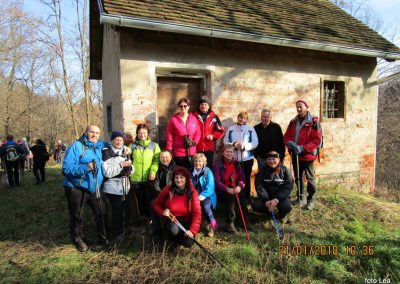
{"x": 112, "y": 79}
{"x": 250, "y": 77}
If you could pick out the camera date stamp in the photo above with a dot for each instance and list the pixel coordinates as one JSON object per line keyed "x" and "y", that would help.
{"x": 330, "y": 249}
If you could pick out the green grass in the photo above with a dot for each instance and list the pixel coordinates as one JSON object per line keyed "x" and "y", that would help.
{"x": 35, "y": 245}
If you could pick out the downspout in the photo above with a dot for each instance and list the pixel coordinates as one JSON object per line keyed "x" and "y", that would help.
{"x": 155, "y": 25}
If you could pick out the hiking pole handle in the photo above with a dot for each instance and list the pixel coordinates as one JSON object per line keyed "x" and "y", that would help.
{"x": 167, "y": 213}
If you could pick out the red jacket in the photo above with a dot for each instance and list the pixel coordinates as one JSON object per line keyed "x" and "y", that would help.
{"x": 310, "y": 137}
{"x": 211, "y": 126}
{"x": 177, "y": 131}
{"x": 180, "y": 207}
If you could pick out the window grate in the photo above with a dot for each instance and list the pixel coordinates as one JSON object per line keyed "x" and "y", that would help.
{"x": 333, "y": 99}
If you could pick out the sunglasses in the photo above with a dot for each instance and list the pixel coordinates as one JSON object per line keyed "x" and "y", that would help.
{"x": 183, "y": 106}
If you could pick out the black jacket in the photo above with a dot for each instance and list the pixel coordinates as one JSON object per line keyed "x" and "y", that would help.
{"x": 270, "y": 138}
{"x": 274, "y": 184}
{"x": 163, "y": 176}
{"x": 40, "y": 154}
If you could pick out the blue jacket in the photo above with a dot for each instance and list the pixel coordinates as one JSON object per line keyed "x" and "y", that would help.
{"x": 75, "y": 166}
{"x": 207, "y": 186}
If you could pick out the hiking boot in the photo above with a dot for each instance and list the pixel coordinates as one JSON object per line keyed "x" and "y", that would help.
{"x": 211, "y": 232}
{"x": 212, "y": 228}
{"x": 302, "y": 200}
{"x": 230, "y": 228}
{"x": 310, "y": 204}
{"x": 284, "y": 220}
{"x": 81, "y": 246}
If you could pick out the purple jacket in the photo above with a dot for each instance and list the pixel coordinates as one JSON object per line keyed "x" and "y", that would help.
{"x": 219, "y": 171}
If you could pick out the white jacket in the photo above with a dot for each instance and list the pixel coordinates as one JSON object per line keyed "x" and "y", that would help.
{"x": 246, "y": 135}
{"x": 112, "y": 167}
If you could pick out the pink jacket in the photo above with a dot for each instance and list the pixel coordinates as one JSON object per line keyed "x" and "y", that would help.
{"x": 176, "y": 132}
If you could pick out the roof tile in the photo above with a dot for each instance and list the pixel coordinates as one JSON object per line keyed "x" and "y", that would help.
{"x": 306, "y": 20}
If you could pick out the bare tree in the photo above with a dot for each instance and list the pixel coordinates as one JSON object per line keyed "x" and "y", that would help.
{"x": 57, "y": 45}
{"x": 15, "y": 31}
{"x": 83, "y": 55}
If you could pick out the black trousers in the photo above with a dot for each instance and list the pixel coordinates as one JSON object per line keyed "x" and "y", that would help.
{"x": 39, "y": 167}
{"x": 176, "y": 235}
{"x": 145, "y": 194}
{"x": 185, "y": 161}
{"x": 230, "y": 200}
{"x": 210, "y": 158}
{"x": 117, "y": 214}
{"x": 12, "y": 169}
{"x": 247, "y": 166}
{"x": 77, "y": 198}
{"x": 306, "y": 167}
{"x": 284, "y": 206}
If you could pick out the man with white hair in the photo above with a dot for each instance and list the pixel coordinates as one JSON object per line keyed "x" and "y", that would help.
{"x": 270, "y": 138}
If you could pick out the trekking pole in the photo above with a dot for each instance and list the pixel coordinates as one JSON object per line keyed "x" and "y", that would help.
{"x": 298, "y": 180}
{"x": 98, "y": 198}
{"x": 241, "y": 214}
{"x": 240, "y": 207}
{"x": 125, "y": 185}
{"x": 173, "y": 219}
{"x": 277, "y": 226}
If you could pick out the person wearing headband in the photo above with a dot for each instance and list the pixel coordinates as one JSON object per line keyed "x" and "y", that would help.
{"x": 274, "y": 185}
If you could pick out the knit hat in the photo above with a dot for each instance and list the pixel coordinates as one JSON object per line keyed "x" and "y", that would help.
{"x": 115, "y": 134}
{"x": 302, "y": 101}
{"x": 204, "y": 100}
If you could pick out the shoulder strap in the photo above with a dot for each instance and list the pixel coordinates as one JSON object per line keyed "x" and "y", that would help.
{"x": 230, "y": 136}
{"x": 83, "y": 148}
{"x": 152, "y": 146}
{"x": 250, "y": 136}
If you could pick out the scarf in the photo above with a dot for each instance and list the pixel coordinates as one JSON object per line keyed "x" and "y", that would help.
{"x": 231, "y": 176}
{"x": 196, "y": 174}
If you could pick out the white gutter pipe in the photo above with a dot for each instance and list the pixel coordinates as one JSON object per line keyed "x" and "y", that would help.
{"x": 155, "y": 25}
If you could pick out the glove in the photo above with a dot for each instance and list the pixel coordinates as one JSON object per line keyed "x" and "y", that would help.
{"x": 201, "y": 197}
{"x": 189, "y": 142}
{"x": 297, "y": 150}
{"x": 291, "y": 145}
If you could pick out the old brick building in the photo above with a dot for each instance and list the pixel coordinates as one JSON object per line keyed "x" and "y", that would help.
{"x": 244, "y": 55}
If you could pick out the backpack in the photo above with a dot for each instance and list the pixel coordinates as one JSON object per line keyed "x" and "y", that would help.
{"x": 11, "y": 153}
{"x": 316, "y": 125}
{"x": 63, "y": 147}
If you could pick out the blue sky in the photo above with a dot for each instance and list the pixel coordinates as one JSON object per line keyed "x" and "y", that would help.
{"x": 388, "y": 10}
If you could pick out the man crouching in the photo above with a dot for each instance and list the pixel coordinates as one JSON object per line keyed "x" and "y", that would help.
{"x": 274, "y": 185}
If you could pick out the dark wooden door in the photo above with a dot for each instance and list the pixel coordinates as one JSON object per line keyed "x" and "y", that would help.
{"x": 169, "y": 91}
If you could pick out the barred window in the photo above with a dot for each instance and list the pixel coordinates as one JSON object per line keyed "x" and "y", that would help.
{"x": 333, "y": 99}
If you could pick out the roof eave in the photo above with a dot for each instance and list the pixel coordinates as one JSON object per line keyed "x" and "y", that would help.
{"x": 146, "y": 24}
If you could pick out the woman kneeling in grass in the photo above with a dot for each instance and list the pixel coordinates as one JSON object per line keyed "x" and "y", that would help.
{"x": 203, "y": 181}
{"x": 182, "y": 201}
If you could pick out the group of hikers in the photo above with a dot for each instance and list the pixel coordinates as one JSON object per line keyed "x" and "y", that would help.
{"x": 169, "y": 191}
{"x": 18, "y": 156}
